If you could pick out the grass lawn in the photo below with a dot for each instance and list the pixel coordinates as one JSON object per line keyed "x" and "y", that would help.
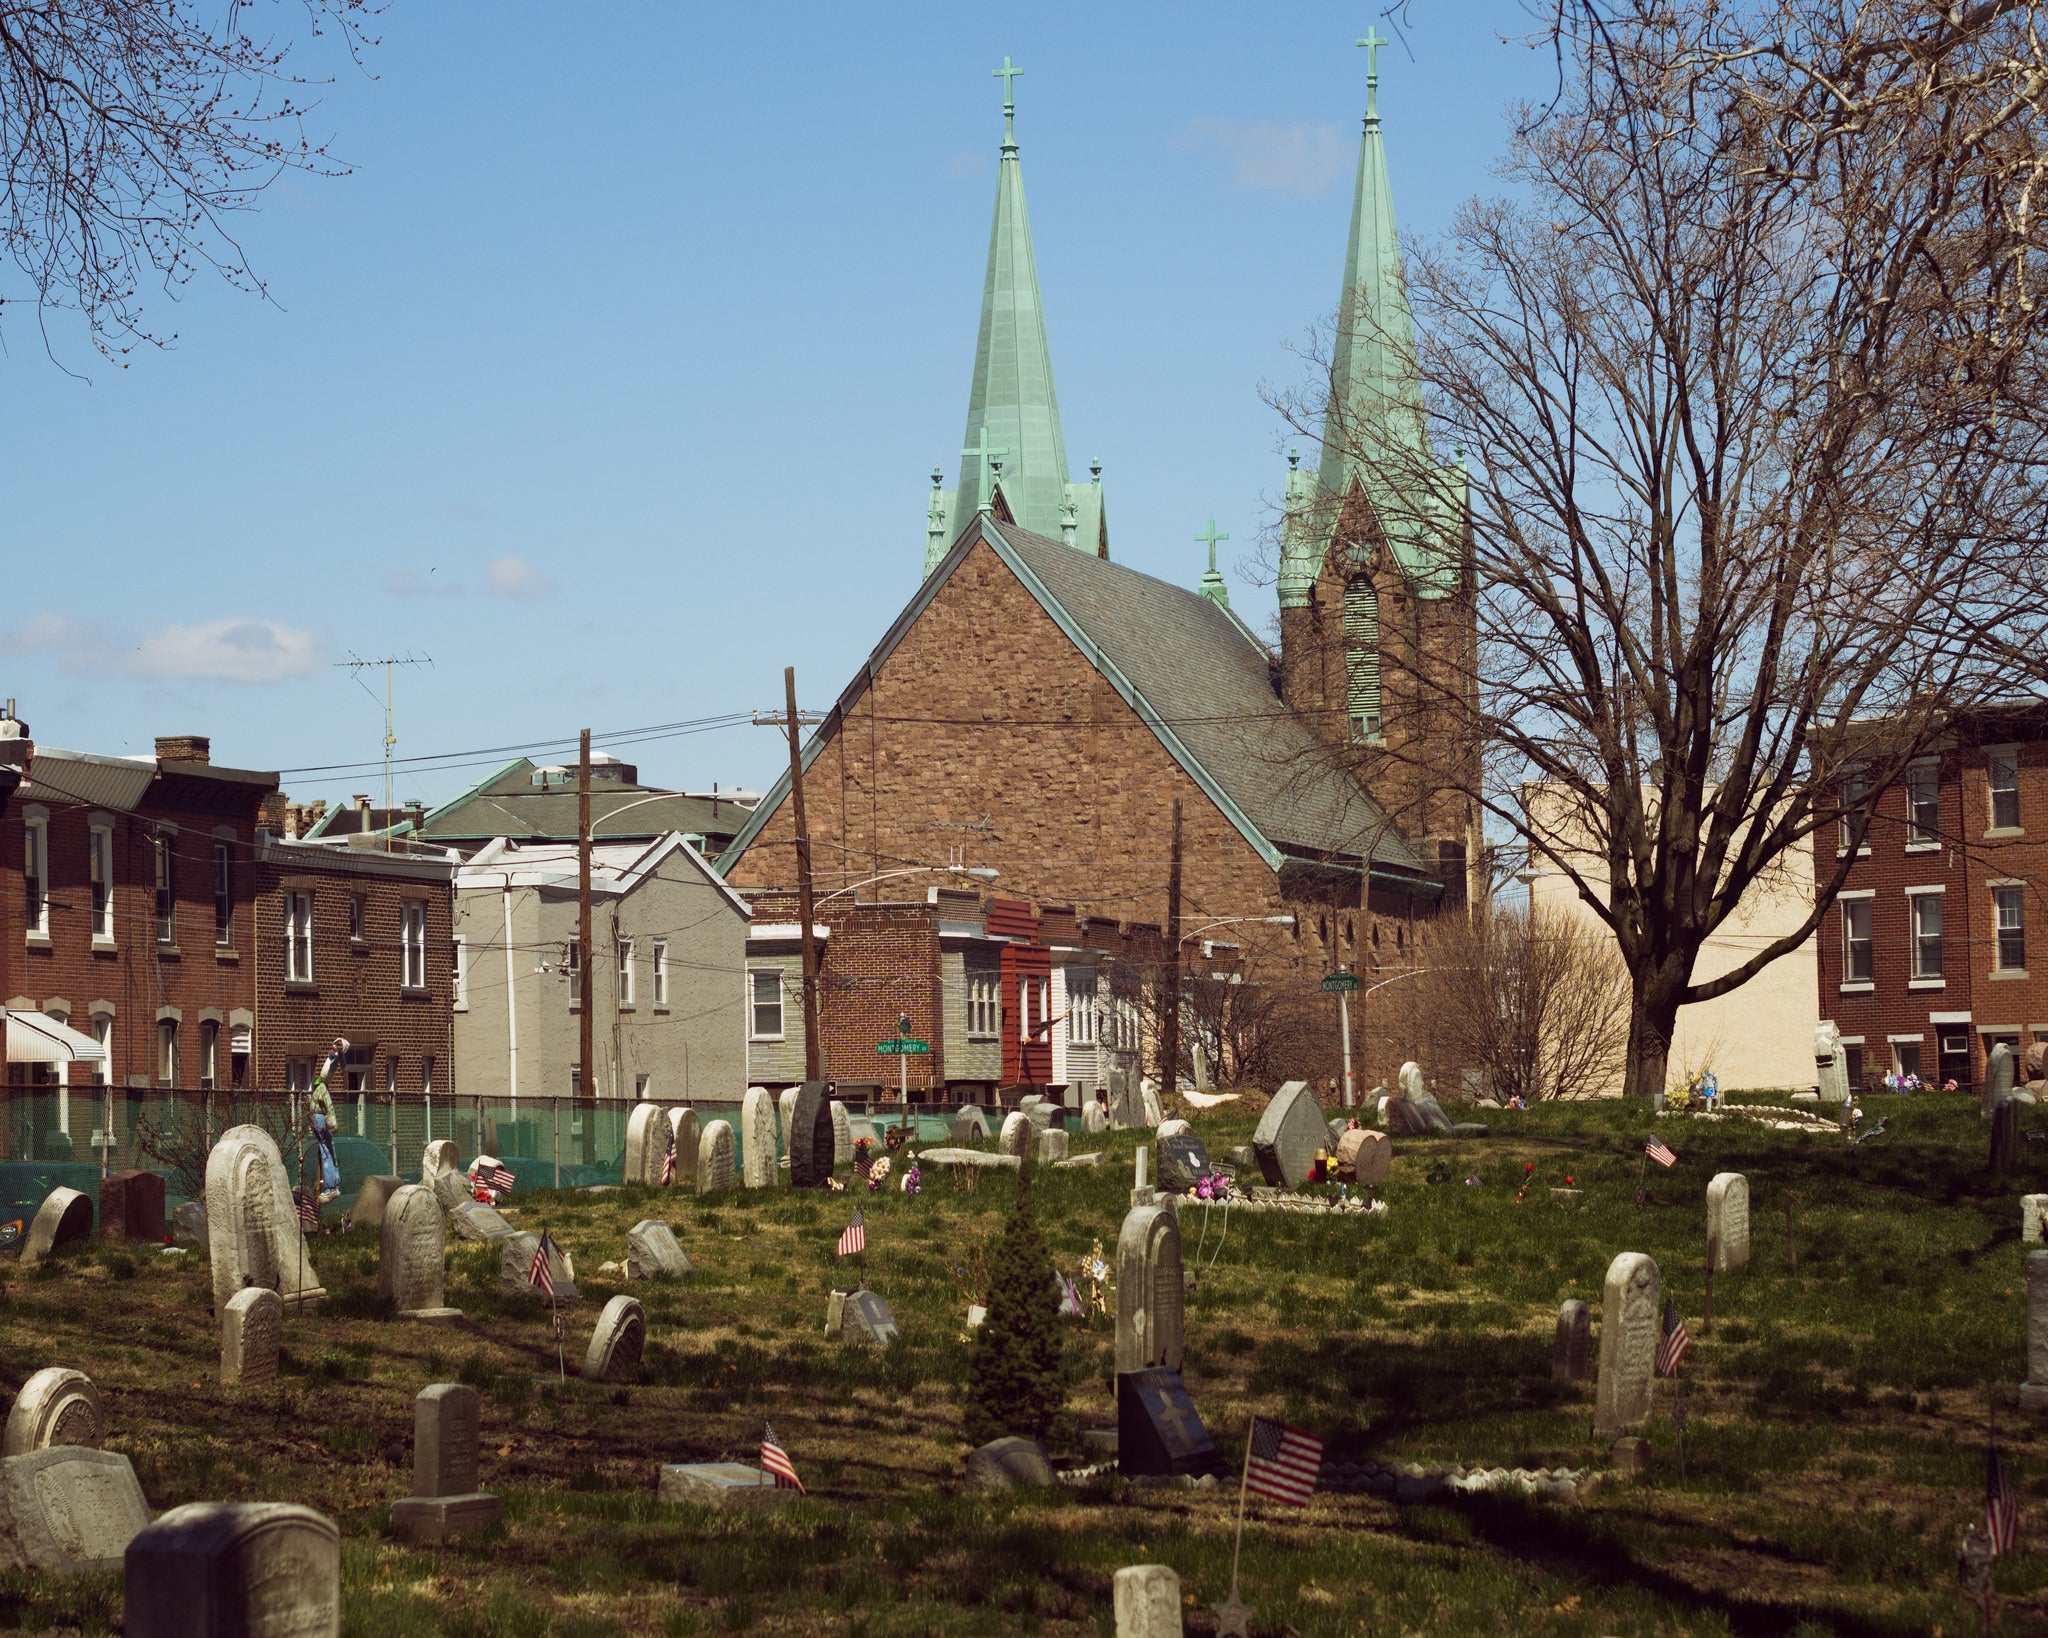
{"x": 1834, "y": 1453}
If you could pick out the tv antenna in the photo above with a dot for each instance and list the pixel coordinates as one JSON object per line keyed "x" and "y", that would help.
{"x": 356, "y": 665}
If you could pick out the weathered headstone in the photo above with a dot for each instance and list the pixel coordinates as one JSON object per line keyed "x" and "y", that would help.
{"x": 412, "y": 1255}
{"x": 445, "y": 1500}
{"x": 1831, "y": 1065}
{"x": 1570, "y": 1355}
{"x": 785, "y": 1114}
{"x": 714, "y": 1158}
{"x": 1171, "y": 1128}
{"x": 1015, "y": 1137}
{"x": 132, "y": 1206}
{"x": 1151, "y": 1290}
{"x": 68, "y": 1509}
{"x": 1631, "y": 1321}
{"x": 683, "y": 1125}
{"x": 1009, "y": 1464}
{"x": 813, "y": 1141}
{"x": 1181, "y": 1161}
{"x": 251, "y": 1328}
{"x": 1147, "y": 1601}
{"x": 515, "y": 1262}
{"x": 476, "y": 1223}
{"x": 252, "y": 1223}
{"x": 721, "y": 1485}
{"x": 1148, "y": 1095}
{"x": 652, "y": 1253}
{"x": 1419, "y": 1099}
{"x": 647, "y": 1133}
{"x": 757, "y": 1138}
{"x": 2034, "y": 1390}
{"x": 1158, "y": 1430}
{"x": 864, "y": 1317}
{"x": 64, "y": 1217}
{"x": 1364, "y": 1156}
{"x": 1052, "y": 1144}
{"x": 188, "y": 1223}
{"x": 438, "y": 1157}
{"x": 842, "y": 1135}
{"x": 1094, "y": 1118}
{"x": 617, "y": 1343}
{"x": 1998, "y": 1068}
{"x": 252, "y": 1569}
{"x": 972, "y": 1114}
{"x": 1288, "y": 1135}
{"x": 450, "y": 1189}
{"x": 56, "y": 1406}
{"x": 2005, "y": 1136}
{"x": 2033, "y": 1209}
{"x": 1728, "y": 1220}
{"x": 368, "y": 1210}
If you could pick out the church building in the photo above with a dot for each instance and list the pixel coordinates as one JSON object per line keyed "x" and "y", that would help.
{"x": 1037, "y": 708}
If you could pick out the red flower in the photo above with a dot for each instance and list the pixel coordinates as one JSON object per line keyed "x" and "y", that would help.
{"x": 1568, "y": 1181}
{"x": 1530, "y": 1167}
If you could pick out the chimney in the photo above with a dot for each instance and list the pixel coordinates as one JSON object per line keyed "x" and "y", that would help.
{"x": 184, "y": 748}
{"x": 363, "y": 810}
{"x": 272, "y": 812}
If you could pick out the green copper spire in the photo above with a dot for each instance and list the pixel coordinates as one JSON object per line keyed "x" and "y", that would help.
{"x": 1212, "y": 586}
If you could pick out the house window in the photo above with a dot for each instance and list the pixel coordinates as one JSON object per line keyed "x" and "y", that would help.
{"x": 223, "y": 895}
{"x": 1952, "y": 1047}
{"x": 1362, "y": 658}
{"x": 390, "y": 1082}
{"x": 35, "y": 875}
{"x": 1926, "y": 934}
{"x": 100, "y": 861}
{"x": 1855, "y": 810}
{"x": 2009, "y": 903}
{"x": 766, "y": 1023}
{"x": 103, "y": 1032}
{"x": 1857, "y": 964}
{"x": 459, "y": 973}
{"x": 625, "y": 972}
{"x": 1923, "y": 805}
{"x": 167, "y": 1052}
{"x": 984, "y": 1004}
{"x": 427, "y": 1075}
{"x": 1906, "y": 1057}
{"x": 661, "y": 972}
{"x": 358, "y": 919}
{"x": 298, "y": 1075}
{"x": 1080, "y": 1008}
{"x": 166, "y": 887}
{"x": 209, "y": 1055}
{"x": 572, "y": 963}
{"x": 1854, "y": 1056}
{"x": 298, "y": 938}
{"x": 412, "y": 926}
{"x": 2004, "y": 769}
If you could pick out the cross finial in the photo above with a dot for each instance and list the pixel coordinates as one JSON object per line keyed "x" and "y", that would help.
{"x": 1008, "y": 76}
{"x": 991, "y": 463}
{"x": 1372, "y": 42}
{"x": 1210, "y": 540}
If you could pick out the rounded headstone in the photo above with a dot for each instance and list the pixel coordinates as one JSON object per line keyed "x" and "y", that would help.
{"x": 617, "y": 1343}
{"x": 714, "y": 1157}
{"x": 412, "y": 1252}
{"x": 647, "y": 1133}
{"x": 438, "y": 1157}
{"x": 813, "y": 1141}
{"x": 56, "y": 1406}
{"x": 254, "y": 1569}
{"x": 1172, "y": 1128}
{"x": 1015, "y": 1137}
{"x": 1363, "y": 1157}
{"x": 1009, "y": 1464}
{"x": 1631, "y": 1325}
{"x": 758, "y": 1155}
{"x": 1147, "y": 1601}
{"x": 65, "y": 1216}
{"x": 1728, "y": 1220}
{"x": 842, "y": 1135}
{"x": 1052, "y": 1144}
{"x": 973, "y": 1115}
{"x": 683, "y": 1123}
{"x": 251, "y": 1329}
{"x": 1151, "y": 1290}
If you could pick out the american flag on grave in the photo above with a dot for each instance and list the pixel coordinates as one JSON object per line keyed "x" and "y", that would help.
{"x": 541, "y": 1273}
{"x": 668, "y": 1160}
{"x": 1656, "y": 1151}
{"x": 2001, "y": 1506}
{"x": 1671, "y": 1349}
{"x": 500, "y": 1178}
{"x": 1283, "y": 1463}
{"x": 776, "y": 1463}
{"x": 855, "y": 1239}
{"x": 309, "y": 1211}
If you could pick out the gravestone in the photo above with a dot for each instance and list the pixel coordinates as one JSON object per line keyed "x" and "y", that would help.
{"x": 1420, "y": 1100}
{"x": 450, "y": 1189}
{"x": 1094, "y": 1118}
{"x": 1151, "y": 1290}
{"x": 1146, "y": 1598}
{"x": 412, "y": 1255}
{"x": 1172, "y": 1128}
{"x": 721, "y": 1485}
{"x": 1998, "y": 1067}
{"x": 1052, "y": 1144}
{"x": 251, "y": 1328}
{"x": 1631, "y": 1322}
{"x": 1015, "y": 1137}
{"x": 1039, "y": 1109}
{"x": 813, "y": 1140}
{"x": 67, "y": 1510}
{"x": 2034, "y": 1390}
{"x": 1570, "y": 1355}
{"x": 964, "y": 1134}
{"x": 757, "y": 1138}
{"x": 56, "y": 1406}
{"x": 252, "y": 1569}
{"x": 1364, "y": 1156}
{"x": 647, "y": 1133}
{"x": 64, "y": 1217}
{"x": 1158, "y": 1431}
{"x": 683, "y": 1125}
{"x": 652, "y": 1253}
{"x": 445, "y": 1500}
{"x": 2033, "y": 1208}
{"x": 368, "y": 1210}
{"x": 617, "y": 1343}
{"x": 2005, "y": 1136}
{"x": 864, "y": 1317}
{"x": 1126, "y": 1106}
{"x": 1148, "y": 1096}
{"x": 714, "y": 1158}
{"x": 1728, "y": 1220}
{"x": 785, "y": 1115}
{"x": 972, "y": 1114}
{"x": 842, "y": 1135}
{"x": 438, "y": 1157}
{"x": 1182, "y": 1162}
{"x": 515, "y": 1259}
{"x": 188, "y": 1223}
{"x": 1012, "y": 1463}
{"x": 132, "y": 1206}
{"x": 476, "y": 1223}
{"x": 253, "y": 1224}
{"x": 1831, "y": 1065}
{"x": 1288, "y": 1135}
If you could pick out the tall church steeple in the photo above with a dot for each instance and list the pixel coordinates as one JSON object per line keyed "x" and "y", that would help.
{"x": 1013, "y": 451}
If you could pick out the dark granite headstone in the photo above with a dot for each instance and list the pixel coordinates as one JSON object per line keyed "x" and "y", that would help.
{"x": 2005, "y": 1136}
{"x": 812, "y": 1142}
{"x": 131, "y": 1206}
{"x": 1158, "y": 1432}
{"x": 866, "y": 1318}
{"x": 1180, "y": 1161}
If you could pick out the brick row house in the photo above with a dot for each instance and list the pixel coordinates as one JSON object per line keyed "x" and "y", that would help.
{"x": 1938, "y": 945}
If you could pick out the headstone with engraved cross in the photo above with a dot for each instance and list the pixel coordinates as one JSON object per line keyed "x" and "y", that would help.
{"x": 1158, "y": 1431}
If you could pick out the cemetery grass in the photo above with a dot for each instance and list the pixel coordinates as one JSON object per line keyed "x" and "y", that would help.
{"x": 1834, "y": 1453}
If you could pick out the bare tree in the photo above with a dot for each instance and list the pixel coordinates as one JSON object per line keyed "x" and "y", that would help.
{"x": 1745, "y": 380}
{"x": 131, "y": 130}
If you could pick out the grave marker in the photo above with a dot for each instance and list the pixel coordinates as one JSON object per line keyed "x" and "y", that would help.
{"x": 714, "y": 1158}
{"x": 445, "y": 1500}
{"x": 1364, "y": 1156}
{"x": 2005, "y": 1136}
{"x": 1631, "y": 1320}
{"x": 368, "y": 1210}
{"x": 652, "y": 1253}
{"x": 617, "y": 1343}
{"x": 1158, "y": 1432}
{"x": 132, "y": 1206}
{"x": 813, "y": 1138}
{"x": 683, "y": 1124}
{"x": 720, "y": 1485}
{"x": 252, "y": 1223}
{"x": 438, "y": 1157}
{"x": 1728, "y": 1221}
{"x": 64, "y": 1217}
{"x": 2034, "y": 1390}
{"x": 251, "y": 1327}
{"x": 1052, "y": 1144}
{"x": 515, "y": 1260}
{"x": 842, "y": 1135}
{"x": 1147, "y": 1601}
{"x": 1015, "y": 1137}
{"x": 647, "y": 1134}
{"x": 67, "y": 1510}
{"x": 1288, "y": 1135}
{"x": 254, "y": 1569}
{"x": 864, "y": 1317}
{"x": 1182, "y": 1161}
{"x": 2032, "y": 1209}
{"x": 1569, "y": 1356}
{"x": 476, "y": 1223}
{"x": 1151, "y": 1290}
{"x": 56, "y": 1406}
{"x": 412, "y": 1255}
{"x": 1998, "y": 1076}
{"x": 757, "y": 1150}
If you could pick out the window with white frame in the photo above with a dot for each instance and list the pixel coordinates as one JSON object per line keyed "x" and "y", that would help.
{"x": 298, "y": 938}
{"x": 427, "y": 1075}
{"x": 100, "y": 866}
{"x": 1926, "y": 924}
{"x": 764, "y": 1014}
{"x": 1852, "y": 794}
{"x": 459, "y": 973}
{"x": 1923, "y": 805}
{"x": 167, "y": 1052}
{"x": 165, "y": 845}
{"x": 209, "y": 1055}
{"x": 984, "y": 1003}
{"x": 412, "y": 929}
{"x": 1080, "y": 1007}
{"x": 223, "y": 895}
{"x": 358, "y": 919}
{"x": 2009, "y": 905}
{"x": 35, "y": 874}
{"x": 661, "y": 972}
{"x": 103, "y": 1032}
{"x": 625, "y": 972}
{"x": 2003, "y": 769}
{"x": 1032, "y": 998}
{"x": 1858, "y": 963}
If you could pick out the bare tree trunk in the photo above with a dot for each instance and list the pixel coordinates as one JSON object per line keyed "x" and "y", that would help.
{"x": 1652, "y": 1020}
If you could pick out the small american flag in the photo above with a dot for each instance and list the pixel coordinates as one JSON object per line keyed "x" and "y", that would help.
{"x": 2001, "y": 1506}
{"x": 668, "y": 1160}
{"x": 500, "y": 1178}
{"x": 1656, "y": 1151}
{"x": 776, "y": 1463}
{"x": 1283, "y": 1464}
{"x": 542, "y": 1273}
{"x": 309, "y": 1211}
{"x": 1672, "y": 1349}
{"x": 855, "y": 1239}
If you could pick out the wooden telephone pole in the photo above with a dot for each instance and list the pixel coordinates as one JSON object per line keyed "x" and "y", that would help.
{"x": 1169, "y": 1020}
{"x": 803, "y": 880}
{"x": 584, "y": 955}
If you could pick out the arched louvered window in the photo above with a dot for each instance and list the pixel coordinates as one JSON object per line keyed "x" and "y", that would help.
{"x": 1362, "y": 658}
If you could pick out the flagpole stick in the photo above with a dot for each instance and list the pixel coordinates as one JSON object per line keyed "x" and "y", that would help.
{"x": 1243, "y": 1484}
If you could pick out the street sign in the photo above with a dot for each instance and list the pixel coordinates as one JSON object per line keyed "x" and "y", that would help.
{"x": 1341, "y": 981}
{"x": 903, "y": 1046}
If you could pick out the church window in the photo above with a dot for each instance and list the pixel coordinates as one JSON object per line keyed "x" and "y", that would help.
{"x": 1362, "y": 658}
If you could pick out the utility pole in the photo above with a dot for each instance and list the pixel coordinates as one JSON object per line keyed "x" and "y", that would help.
{"x": 584, "y": 954}
{"x": 1169, "y": 1026}
{"x": 803, "y": 880}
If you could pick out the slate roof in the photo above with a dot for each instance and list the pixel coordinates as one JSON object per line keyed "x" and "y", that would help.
{"x": 507, "y": 803}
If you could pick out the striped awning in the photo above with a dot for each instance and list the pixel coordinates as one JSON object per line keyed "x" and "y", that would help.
{"x": 33, "y": 1038}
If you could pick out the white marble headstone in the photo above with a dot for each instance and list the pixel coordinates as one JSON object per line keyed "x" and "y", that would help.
{"x": 1631, "y": 1322}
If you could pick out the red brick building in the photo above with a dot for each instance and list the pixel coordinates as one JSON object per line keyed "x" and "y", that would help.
{"x": 1925, "y": 959}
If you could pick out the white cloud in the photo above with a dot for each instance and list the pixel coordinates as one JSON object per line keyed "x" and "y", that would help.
{"x": 237, "y": 649}
{"x": 411, "y": 583}
{"x": 513, "y": 576}
{"x": 1299, "y": 158}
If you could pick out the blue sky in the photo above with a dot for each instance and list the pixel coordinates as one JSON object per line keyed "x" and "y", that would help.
{"x": 612, "y": 375}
